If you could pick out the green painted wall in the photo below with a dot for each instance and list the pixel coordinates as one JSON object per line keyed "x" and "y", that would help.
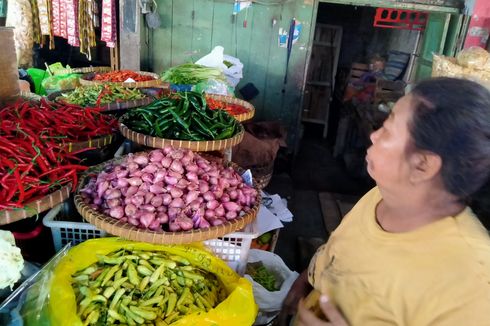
{"x": 191, "y": 28}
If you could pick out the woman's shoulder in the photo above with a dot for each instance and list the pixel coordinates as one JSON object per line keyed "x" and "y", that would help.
{"x": 474, "y": 235}
{"x": 367, "y": 203}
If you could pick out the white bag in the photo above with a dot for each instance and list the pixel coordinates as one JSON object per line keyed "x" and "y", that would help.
{"x": 234, "y": 72}
{"x": 216, "y": 58}
{"x": 213, "y": 59}
{"x": 271, "y": 301}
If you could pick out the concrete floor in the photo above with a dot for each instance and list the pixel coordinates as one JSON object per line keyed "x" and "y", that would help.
{"x": 314, "y": 170}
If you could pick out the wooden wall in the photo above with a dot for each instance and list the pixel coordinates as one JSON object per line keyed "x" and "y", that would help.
{"x": 191, "y": 28}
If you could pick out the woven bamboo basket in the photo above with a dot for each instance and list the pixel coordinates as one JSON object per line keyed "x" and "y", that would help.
{"x": 196, "y": 146}
{"x": 156, "y": 82}
{"x": 84, "y": 70}
{"x": 262, "y": 174}
{"x": 30, "y": 96}
{"x": 35, "y": 207}
{"x": 125, "y": 230}
{"x": 53, "y": 97}
{"x": 233, "y": 100}
{"x": 91, "y": 143}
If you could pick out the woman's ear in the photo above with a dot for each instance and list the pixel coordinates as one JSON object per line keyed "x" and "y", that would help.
{"x": 425, "y": 165}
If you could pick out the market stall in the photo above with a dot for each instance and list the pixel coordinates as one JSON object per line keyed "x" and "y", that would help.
{"x": 163, "y": 179}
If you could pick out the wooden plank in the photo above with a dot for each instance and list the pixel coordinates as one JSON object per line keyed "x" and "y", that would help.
{"x": 162, "y": 37}
{"x": 275, "y": 89}
{"x": 259, "y": 55}
{"x": 290, "y": 106}
{"x": 222, "y": 25}
{"x": 397, "y": 5}
{"x": 181, "y": 32}
{"x": 202, "y": 28}
{"x": 243, "y": 43}
{"x": 330, "y": 211}
{"x": 129, "y": 35}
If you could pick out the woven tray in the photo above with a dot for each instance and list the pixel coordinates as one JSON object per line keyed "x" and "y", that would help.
{"x": 30, "y": 96}
{"x": 108, "y": 107}
{"x": 84, "y": 70}
{"x": 87, "y": 80}
{"x": 197, "y": 146}
{"x": 35, "y": 207}
{"x": 125, "y": 230}
{"x": 233, "y": 100}
{"x": 95, "y": 143}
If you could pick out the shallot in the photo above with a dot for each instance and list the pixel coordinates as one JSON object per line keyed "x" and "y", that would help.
{"x": 171, "y": 190}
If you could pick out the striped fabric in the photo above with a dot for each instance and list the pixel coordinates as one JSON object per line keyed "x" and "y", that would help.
{"x": 396, "y": 64}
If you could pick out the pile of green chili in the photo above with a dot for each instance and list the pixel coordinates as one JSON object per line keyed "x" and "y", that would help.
{"x": 184, "y": 116}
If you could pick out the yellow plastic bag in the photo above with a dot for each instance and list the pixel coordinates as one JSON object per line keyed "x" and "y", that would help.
{"x": 238, "y": 308}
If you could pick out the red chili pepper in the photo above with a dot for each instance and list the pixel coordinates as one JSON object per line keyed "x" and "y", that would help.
{"x": 122, "y": 76}
{"x": 20, "y": 187}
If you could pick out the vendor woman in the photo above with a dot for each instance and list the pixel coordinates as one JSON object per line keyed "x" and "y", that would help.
{"x": 411, "y": 252}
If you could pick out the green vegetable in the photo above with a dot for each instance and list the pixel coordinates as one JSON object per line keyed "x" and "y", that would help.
{"x": 190, "y": 73}
{"x": 153, "y": 299}
{"x": 262, "y": 275}
{"x": 183, "y": 116}
{"x": 91, "y": 96}
{"x": 265, "y": 238}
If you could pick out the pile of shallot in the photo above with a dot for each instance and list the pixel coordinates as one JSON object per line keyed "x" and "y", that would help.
{"x": 169, "y": 189}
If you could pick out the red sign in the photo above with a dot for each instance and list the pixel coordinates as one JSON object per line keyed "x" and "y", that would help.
{"x": 400, "y": 19}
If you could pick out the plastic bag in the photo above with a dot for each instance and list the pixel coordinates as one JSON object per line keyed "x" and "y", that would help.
{"x": 271, "y": 302}
{"x": 238, "y": 308}
{"x": 60, "y": 83}
{"x": 213, "y": 86}
{"x": 234, "y": 70}
{"x": 213, "y": 58}
{"x": 474, "y": 57}
{"x": 28, "y": 304}
{"x": 231, "y": 66}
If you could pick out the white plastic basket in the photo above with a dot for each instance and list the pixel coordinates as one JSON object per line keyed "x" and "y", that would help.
{"x": 65, "y": 232}
{"x": 233, "y": 248}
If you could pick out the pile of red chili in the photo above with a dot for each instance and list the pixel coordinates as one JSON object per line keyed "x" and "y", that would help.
{"x": 120, "y": 76}
{"x": 34, "y": 158}
{"x": 232, "y": 109}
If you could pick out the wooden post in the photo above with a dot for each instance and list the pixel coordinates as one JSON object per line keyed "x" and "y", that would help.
{"x": 129, "y": 35}
{"x": 9, "y": 87}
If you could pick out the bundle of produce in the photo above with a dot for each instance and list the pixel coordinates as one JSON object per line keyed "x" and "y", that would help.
{"x": 262, "y": 275}
{"x": 135, "y": 286}
{"x": 33, "y": 161}
{"x": 170, "y": 189}
{"x": 98, "y": 95}
{"x": 121, "y": 76}
{"x": 184, "y": 116}
{"x": 191, "y": 74}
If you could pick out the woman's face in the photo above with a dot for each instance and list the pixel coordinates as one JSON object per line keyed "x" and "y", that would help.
{"x": 387, "y": 158}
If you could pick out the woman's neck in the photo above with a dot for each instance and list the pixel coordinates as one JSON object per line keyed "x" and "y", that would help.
{"x": 397, "y": 213}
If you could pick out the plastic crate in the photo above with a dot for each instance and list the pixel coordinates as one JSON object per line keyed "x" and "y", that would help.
{"x": 69, "y": 230}
{"x": 233, "y": 248}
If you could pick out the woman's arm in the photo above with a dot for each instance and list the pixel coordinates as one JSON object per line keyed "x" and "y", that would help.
{"x": 300, "y": 289}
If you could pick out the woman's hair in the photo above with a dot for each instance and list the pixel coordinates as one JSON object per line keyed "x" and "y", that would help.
{"x": 452, "y": 120}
